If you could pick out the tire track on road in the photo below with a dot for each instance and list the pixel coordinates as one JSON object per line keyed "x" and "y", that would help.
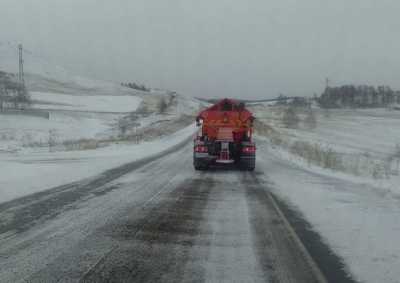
{"x": 157, "y": 247}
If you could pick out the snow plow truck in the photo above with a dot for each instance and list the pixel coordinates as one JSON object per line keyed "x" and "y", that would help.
{"x": 225, "y": 136}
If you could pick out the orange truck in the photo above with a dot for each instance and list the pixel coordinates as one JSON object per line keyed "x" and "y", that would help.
{"x": 225, "y": 136}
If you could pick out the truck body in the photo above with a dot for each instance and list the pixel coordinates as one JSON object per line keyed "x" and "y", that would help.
{"x": 225, "y": 136}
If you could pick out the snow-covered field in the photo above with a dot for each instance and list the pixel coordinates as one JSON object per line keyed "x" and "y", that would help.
{"x": 19, "y": 133}
{"x": 92, "y": 103}
{"x": 365, "y": 142}
{"x": 348, "y": 130}
{"x": 375, "y": 131}
{"x": 85, "y": 109}
{"x": 27, "y": 173}
{"x": 356, "y": 214}
{"x": 38, "y": 153}
{"x": 32, "y": 155}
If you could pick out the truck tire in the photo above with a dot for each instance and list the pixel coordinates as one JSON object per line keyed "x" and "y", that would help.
{"x": 247, "y": 168}
{"x": 250, "y": 168}
{"x": 200, "y": 168}
{"x": 248, "y": 164}
{"x": 199, "y": 164}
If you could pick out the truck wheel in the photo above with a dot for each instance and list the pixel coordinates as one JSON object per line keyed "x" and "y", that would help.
{"x": 200, "y": 167}
{"x": 246, "y": 165}
{"x": 246, "y": 168}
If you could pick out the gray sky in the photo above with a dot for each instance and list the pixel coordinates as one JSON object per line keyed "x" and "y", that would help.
{"x": 249, "y": 49}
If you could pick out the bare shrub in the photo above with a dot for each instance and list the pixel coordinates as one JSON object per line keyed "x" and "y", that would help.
{"x": 311, "y": 120}
{"x": 275, "y": 137}
{"x": 354, "y": 167}
{"x": 327, "y": 113}
{"x": 162, "y": 106}
{"x": 290, "y": 118}
{"x": 377, "y": 171}
{"x": 397, "y": 159}
{"x": 277, "y": 140}
{"x": 317, "y": 155}
{"x": 263, "y": 129}
{"x": 81, "y": 144}
{"x": 392, "y": 164}
{"x": 122, "y": 127}
{"x": 52, "y": 141}
{"x": 331, "y": 159}
{"x": 7, "y": 136}
{"x": 27, "y": 139}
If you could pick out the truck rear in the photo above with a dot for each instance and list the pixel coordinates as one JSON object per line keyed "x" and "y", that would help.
{"x": 225, "y": 136}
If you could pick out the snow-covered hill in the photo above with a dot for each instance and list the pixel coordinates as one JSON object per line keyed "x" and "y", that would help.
{"x": 82, "y": 108}
{"x": 93, "y": 125}
{"x": 89, "y": 103}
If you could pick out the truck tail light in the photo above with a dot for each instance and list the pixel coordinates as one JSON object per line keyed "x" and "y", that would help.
{"x": 249, "y": 149}
{"x": 201, "y": 148}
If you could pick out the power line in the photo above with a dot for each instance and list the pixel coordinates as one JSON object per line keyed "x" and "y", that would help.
{"x": 33, "y": 55}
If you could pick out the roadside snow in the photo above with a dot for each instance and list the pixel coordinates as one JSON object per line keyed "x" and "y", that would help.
{"x": 384, "y": 186}
{"x": 23, "y": 174}
{"x": 360, "y": 223}
{"x": 372, "y": 131}
{"x": 94, "y": 103}
{"x": 80, "y": 108}
{"x": 26, "y": 133}
{"x": 356, "y": 207}
{"x": 365, "y": 143}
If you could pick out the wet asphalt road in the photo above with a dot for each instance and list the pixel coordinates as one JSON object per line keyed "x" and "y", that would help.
{"x": 154, "y": 221}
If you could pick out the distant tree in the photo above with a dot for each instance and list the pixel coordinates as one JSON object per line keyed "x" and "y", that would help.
{"x": 136, "y": 86}
{"x": 358, "y": 96}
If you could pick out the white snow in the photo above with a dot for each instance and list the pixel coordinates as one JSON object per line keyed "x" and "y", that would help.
{"x": 365, "y": 140}
{"x": 360, "y": 223}
{"x": 27, "y": 173}
{"x": 93, "y": 103}
{"x": 23, "y": 133}
{"x": 357, "y": 215}
{"x": 71, "y": 240}
{"x": 80, "y": 108}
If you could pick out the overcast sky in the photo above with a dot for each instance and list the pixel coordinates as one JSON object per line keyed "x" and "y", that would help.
{"x": 250, "y": 49}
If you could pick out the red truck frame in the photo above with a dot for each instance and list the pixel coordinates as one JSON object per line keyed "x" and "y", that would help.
{"x": 225, "y": 136}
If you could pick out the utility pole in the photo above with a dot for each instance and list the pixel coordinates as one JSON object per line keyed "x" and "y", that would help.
{"x": 21, "y": 65}
{"x": 327, "y": 82}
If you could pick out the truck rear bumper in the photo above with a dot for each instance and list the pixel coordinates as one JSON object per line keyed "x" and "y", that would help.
{"x": 224, "y": 161}
{"x": 205, "y": 160}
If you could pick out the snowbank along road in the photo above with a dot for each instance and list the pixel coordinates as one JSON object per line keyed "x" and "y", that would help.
{"x": 155, "y": 220}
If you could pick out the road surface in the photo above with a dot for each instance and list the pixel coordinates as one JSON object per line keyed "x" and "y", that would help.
{"x": 153, "y": 221}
